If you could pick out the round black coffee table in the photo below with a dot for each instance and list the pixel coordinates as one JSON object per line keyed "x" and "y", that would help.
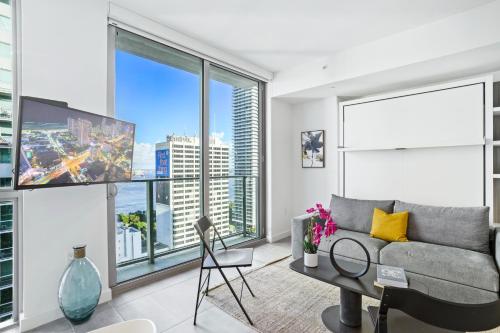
{"x": 348, "y": 316}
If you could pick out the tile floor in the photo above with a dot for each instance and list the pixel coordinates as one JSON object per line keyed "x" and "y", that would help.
{"x": 170, "y": 303}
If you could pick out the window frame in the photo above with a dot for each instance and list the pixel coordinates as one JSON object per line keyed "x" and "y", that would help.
{"x": 207, "y": 62}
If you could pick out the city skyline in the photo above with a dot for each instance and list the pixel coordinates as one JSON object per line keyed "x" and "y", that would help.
{"x": 177, "y": 203}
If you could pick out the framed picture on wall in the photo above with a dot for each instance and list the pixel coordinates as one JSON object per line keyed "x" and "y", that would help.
{"x": 313, "y": 149}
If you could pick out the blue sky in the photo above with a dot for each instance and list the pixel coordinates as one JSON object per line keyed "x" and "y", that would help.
{"x": 163, "y": 100}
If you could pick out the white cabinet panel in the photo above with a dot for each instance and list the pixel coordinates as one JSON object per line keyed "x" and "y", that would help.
{"x": 450, "y": 176}
{"x": 444, "y": 176}
{"x": 373, "y": 174}
{"x": 446, "y": 117}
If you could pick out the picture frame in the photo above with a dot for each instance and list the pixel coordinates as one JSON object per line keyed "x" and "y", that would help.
{"x": 312, "y": 144}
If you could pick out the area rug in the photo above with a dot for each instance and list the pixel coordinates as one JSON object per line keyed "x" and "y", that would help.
{"x": 286, "y": 301}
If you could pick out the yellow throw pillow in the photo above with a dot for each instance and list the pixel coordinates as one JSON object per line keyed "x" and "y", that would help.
{"x": 389, "y": 227}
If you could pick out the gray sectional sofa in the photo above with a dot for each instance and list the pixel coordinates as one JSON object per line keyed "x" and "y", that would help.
{"x": 452, "y": 251}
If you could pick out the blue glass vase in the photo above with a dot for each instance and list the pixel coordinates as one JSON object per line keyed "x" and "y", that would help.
{"x": 80, "y": 287}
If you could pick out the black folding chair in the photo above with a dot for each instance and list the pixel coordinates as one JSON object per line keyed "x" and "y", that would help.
{"x": 219, "y": 259}
{"x": 441, "y": 314}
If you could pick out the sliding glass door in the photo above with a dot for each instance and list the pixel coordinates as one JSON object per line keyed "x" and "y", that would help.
{"x": 160, "y": 89}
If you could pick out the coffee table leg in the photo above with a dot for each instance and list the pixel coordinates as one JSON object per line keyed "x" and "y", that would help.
{"x": 350, "y": 308}
{"x": 348, "y": 316}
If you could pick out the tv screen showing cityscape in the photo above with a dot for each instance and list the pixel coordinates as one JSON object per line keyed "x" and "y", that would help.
{"x": 60, "y": 146}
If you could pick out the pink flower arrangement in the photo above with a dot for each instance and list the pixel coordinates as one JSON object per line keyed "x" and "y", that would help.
{"x": 315, "y": 230}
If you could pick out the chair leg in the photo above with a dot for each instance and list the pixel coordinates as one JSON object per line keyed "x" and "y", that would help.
{"x": 235, "y": 296}
{"x": 382, "y": 324}
{"x": 198, "y": 296}
{"x": 208, "y": 282}
{"x": 246, "y": 283}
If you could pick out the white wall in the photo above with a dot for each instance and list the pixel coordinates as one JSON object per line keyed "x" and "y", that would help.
{"x": 64, "y": 51}
{"x": 314, "y": 185}
{"x": 279, "y": 170}
{"x": 290, "y": 188}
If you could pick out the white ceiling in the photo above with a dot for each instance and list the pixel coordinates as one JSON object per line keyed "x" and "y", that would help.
{"x": 279, "y": 34}
{"x": 454, "y": 67}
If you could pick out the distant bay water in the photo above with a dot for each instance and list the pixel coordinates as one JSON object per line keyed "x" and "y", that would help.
{"x": 131, "y": 197}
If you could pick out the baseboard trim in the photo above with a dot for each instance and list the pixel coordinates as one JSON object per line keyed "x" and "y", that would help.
{"x": 153, "y": 277}
{"x": 277, "y": 237}
{"x": 29, "y": 323}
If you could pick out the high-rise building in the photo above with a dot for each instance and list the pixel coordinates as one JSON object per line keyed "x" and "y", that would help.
{"x": 6, "y": 207}
{"x": 6, "y": 260}
{"x": 5, "y": 94}
{"x": 81, "y": 129}
{"x": 181, "y": 198}
{"x": 245, "y": 154}
{"x": 128, "y": 243}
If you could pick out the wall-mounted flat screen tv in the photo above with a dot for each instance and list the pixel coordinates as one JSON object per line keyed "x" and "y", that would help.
{"x": 61, "y": 146}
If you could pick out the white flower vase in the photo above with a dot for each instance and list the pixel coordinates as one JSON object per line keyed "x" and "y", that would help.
{"x": 310, "y": 259}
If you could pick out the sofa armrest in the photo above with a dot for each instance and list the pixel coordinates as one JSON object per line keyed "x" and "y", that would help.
{"x": 496, "y": 246}
{"x": 299, "y": 225}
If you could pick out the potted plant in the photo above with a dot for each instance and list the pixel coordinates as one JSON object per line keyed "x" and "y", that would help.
{"x": 315, "y": 231}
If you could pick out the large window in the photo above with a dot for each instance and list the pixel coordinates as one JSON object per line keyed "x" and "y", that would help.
{"x": 160, "y": 89}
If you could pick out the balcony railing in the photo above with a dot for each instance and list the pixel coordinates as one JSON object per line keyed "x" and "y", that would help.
{"x": 246, "y": 231}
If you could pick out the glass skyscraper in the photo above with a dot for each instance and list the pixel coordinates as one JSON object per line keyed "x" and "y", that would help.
{"x": 246, "y": 153}
{"x": 6, "y": 207}
{"x": 5, "y": 94}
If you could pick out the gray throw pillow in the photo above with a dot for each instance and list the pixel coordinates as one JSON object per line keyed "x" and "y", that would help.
{"x": 355, "y": 214}
{"x": 463, "y": 227}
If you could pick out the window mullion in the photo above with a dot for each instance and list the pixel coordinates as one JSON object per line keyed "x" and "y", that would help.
{"x": 205, "y": 141}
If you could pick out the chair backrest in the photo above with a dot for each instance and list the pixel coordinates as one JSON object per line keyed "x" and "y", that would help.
{"x": 441, "y": 313}
{"x": 202, "y": 226}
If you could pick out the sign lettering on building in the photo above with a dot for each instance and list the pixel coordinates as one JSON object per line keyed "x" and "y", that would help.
{"x": 163, "y": 163}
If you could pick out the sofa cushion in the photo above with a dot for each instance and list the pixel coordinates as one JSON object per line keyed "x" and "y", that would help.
{"x": 443, "y": 262}
{"x": 356, "y": 215}
{"x": 350, "y": 249}
{"x": 464, "y": 227}
{"x": 450, "y": 291}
